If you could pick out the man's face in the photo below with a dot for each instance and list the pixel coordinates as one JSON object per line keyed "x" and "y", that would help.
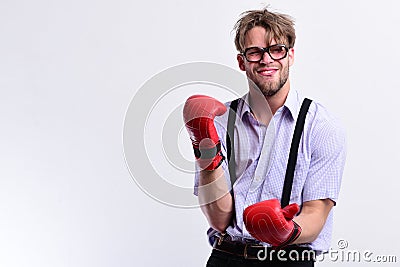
{"x": 268, "y": 74}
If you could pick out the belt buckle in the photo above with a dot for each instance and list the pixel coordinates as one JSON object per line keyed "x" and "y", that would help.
{"x": 245, "y": 251}
{"x": 220, "y": 239}
{"x": 246, "y": 254}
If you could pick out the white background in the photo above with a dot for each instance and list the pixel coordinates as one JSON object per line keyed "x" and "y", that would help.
{"x": 68, "y": 70}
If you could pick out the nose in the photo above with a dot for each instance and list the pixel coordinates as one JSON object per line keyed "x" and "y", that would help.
{"x": 266, "y": 58}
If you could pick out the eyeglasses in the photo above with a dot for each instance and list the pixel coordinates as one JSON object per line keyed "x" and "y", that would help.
{"x": 255, "y": 54}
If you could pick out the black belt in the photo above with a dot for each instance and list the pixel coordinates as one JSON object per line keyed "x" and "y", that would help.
{"x": 259, "y": 252}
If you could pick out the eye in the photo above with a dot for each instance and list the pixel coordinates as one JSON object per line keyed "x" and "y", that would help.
{"x": 277, "y": 50}
{"x": 254, "y": 51}
{"x": 254, "y": 54}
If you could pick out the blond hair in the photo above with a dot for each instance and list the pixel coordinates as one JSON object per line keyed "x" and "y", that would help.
{"x": 279, "y": 27}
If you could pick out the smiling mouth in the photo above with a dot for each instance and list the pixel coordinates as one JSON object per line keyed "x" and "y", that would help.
{"x": 267, "y": 72}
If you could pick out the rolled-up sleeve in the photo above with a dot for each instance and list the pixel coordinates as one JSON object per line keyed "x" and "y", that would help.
{"x": 328, "y": 157}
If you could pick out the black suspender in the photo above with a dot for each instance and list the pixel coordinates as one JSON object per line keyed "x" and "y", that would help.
{"x": 230, "y": 142}
{"x": 294, "y": 148}
{"x": 287, "y": 186}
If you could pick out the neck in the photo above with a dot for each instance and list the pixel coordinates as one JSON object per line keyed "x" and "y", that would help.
{"x": 277, "y": 100}
{"x": 259, "y": 106}
{"x": 264, "y": 107}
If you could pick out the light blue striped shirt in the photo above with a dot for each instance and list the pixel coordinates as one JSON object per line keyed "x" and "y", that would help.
{"x": 319, "y": 166}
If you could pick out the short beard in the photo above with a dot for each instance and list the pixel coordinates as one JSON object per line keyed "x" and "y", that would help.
{"x": 270, "y": 89}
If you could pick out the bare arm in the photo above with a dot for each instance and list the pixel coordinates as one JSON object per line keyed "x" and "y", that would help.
{"x": 214, "y": 198}
{"x": 312, "y": 219}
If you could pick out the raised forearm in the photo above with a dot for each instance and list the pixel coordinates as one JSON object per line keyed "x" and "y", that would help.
{"x": 214, "y": 198}
{"x": 198, "y": 113}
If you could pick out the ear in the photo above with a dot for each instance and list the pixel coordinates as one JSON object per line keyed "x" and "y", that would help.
{"x": 291, "y": 56}
{"x": 240, "y": 60}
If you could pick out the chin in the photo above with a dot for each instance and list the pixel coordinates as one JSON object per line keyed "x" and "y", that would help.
{"x": 270, "y": 93}
{"x": 270, "y": 89}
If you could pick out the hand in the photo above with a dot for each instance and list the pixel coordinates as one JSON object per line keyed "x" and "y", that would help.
{"x": 268, "y": 222}
{"x": 199, "y": 113}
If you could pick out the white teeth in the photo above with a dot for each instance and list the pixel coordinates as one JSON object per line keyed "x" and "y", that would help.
{"x": 267, "y": 72}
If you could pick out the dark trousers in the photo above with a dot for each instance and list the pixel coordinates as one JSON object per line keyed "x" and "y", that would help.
{"x": 222, "y": 259}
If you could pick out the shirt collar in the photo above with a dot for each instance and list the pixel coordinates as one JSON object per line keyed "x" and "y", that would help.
{"x": 245, "y": 106}
{"x": 292, "y": 103}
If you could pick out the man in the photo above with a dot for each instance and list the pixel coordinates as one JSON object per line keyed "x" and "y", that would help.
{"x": 249, "y": 225}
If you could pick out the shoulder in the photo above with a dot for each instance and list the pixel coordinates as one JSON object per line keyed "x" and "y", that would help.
{"x": 322, "y": 117}
{"x": 324, "y": 126}
{"x": 221, "y": 122}
{"x": 223, "y": 119}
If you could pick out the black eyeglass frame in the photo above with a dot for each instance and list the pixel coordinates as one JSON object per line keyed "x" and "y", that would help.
{"x": 265, "y": 49}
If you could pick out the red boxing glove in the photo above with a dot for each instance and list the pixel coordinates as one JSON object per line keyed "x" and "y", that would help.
{"x": 268, "y": 222}
{"x": 199, "y": 113}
